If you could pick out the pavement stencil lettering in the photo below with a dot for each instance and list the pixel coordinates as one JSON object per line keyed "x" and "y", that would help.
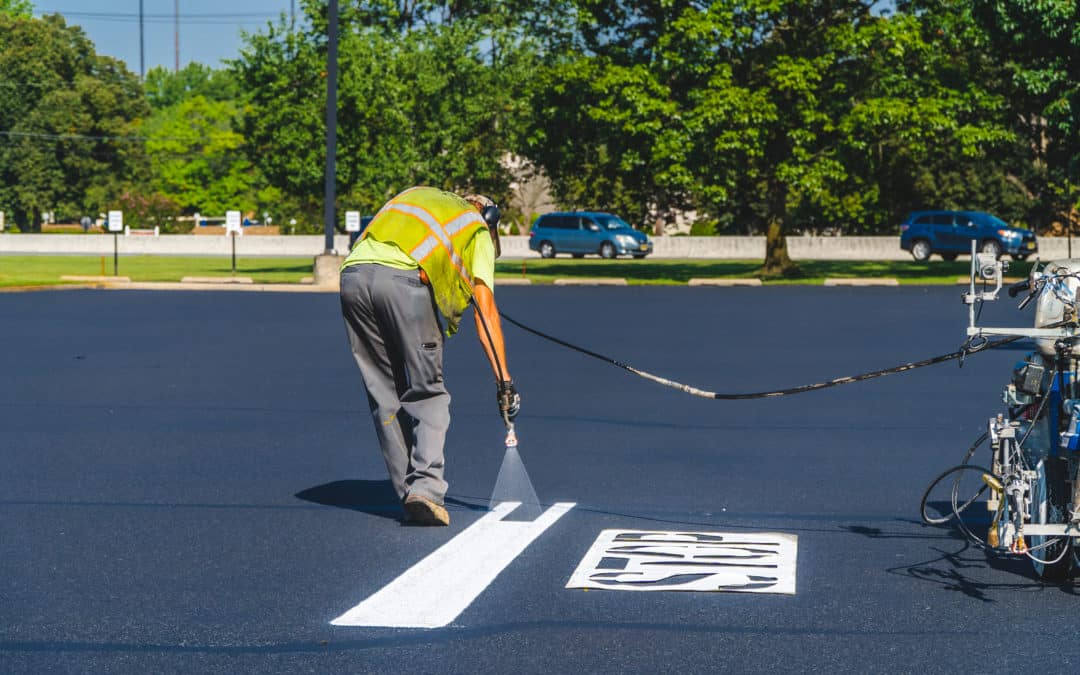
{"x": 641, "y": 560}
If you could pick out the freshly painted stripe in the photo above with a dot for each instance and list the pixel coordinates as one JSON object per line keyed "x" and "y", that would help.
{"x": 440, "y": 587}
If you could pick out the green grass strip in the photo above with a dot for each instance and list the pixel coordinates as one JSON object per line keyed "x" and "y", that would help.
{"x": 47, "y": 270}
{"x": 33, "y": 270}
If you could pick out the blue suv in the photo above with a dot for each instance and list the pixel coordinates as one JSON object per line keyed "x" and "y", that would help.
{"x": 582, "y": 232}
{"x": 950, "y": 233}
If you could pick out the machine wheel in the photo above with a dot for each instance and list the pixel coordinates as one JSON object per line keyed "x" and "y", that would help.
{"x": 949, "y": 256}
{"x": 1020, "y": 257}
{"x": 547, "y": 249}
{"x": 920, "y": 250}
{"x": 1048, "y": 500}
{"x": 639, "y": 256}
{"x": 577, "y": 255}
{"x": 991, "y": 246}
{"x": 607, "y": 250}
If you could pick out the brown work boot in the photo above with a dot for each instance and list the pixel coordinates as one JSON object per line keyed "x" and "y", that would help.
{"x": 423, "y": 511}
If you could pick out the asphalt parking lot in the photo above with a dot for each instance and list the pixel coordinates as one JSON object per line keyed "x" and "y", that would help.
{"x": 191, "y": 483}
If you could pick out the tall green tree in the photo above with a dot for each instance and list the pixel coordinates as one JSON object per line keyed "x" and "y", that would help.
{"x": 1038, "y": 44}
{"x": 21, "y": 8}
{"x": 198, "y": 159}
{"x": 165, "y": 88}
{"x": 772, "y": 114}
{"x": 68, "y": 125}
{"x": 430, "y": 95}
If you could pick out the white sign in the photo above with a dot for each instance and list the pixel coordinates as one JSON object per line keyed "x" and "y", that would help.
{"x": 116, "y": 221}
{"x": 232, "y": 221}
{"x": 352, "y": 221}
{"x": 638, "y": 560}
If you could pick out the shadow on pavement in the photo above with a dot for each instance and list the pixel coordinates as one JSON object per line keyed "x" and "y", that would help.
{"x": 376, "y": 497}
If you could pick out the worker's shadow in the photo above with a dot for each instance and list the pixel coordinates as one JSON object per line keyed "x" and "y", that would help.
{"x": 376, "y": 497}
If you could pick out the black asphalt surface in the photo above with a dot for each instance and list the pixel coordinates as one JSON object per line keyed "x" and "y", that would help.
{"x": 190, "y": 483}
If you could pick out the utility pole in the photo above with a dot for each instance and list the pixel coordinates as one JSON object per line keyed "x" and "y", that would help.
{"x": 176, "y": 33}
{"x": 330, "y": 213}
{"x": 142, "y": 44}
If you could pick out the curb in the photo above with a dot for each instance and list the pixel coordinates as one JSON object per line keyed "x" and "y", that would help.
{"x": 216, "y": 280}
{"x": 881, "y": 281}
{"x": 586, "y": 281}
{"x": 247, "y": 287}
{"x": 723, "y": 282}
{"x": 513, "y": 281}
{"x": 96, "y": 279}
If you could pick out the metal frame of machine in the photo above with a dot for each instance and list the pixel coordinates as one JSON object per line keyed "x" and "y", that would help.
{"x": 1032, "y": 485}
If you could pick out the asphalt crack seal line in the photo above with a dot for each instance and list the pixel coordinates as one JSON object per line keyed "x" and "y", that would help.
{"x": 436, "y": 590}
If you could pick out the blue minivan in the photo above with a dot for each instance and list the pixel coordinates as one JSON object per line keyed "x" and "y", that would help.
{"x": 583, "y": 232}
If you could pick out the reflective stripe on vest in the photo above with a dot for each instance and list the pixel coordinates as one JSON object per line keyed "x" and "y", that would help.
{"x": 441, "y": 234}
{"x": 434, "y": 228}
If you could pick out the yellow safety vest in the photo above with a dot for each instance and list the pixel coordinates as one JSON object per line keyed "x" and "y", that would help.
{"x": 434, "y": 228}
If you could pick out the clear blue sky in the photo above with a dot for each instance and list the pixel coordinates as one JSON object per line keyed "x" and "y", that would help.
{"x": 209, "y": 29}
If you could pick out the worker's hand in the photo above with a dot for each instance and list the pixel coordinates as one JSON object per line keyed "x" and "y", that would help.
{"x": 509, "y": 400}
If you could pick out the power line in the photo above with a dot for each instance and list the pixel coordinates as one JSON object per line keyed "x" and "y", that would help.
{"x": 217, "y": 19}
{"x": 134, "y": 16}
{"x": 93, "y": 137}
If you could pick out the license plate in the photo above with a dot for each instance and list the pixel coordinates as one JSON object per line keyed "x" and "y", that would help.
{"x": 644, "y": 247}
{"x": 1030, "y": 244}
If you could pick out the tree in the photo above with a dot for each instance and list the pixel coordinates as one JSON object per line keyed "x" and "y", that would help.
{"x": 430, "y": 98}
{"x": 165, "y": 88}
{"x": 1038, "y": 44}
{"x": 776, "y": 114}
{"x": 69, "y": 118}
{"x": 20, "y": 8}
{"x": 198, "y": 159}
{"x": 609, "y": 110}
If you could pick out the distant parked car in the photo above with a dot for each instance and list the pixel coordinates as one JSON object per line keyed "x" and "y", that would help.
{"x": 583, "y": 232}
{"x": 950, "y": 233}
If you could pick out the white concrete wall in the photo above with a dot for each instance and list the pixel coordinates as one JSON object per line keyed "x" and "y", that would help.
{"x": 724, "y": 248}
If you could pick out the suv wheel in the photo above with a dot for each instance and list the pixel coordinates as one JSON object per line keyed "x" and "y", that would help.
{"x": 920, "y": 250}
{"x": 547, "y": 249}
{"x": 607, "y": 250}
{"x": 949, "y": 256}
{"x": 991, "y": 246}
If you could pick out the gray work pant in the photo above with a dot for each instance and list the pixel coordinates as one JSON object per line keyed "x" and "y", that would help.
{"x": 394, "y": 333}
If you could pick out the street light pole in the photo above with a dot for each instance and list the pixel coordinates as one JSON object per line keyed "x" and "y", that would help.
{"x": 330, "y": 213}
{"x": 142, "y": 44}
{"x": 176, "y": 33}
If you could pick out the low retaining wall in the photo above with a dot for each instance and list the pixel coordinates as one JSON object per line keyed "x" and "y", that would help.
{"x": 723, "y": 248}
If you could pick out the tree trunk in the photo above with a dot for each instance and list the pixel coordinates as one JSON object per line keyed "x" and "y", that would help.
{"x": 777, "y": 262}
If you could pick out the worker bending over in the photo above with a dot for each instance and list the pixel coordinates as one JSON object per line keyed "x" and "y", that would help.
{"x": 421, "y": 260}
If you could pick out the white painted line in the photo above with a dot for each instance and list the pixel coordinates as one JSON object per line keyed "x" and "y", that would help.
{"x": 642, "y": 560}
{"x": 512, "y": 281}
{"x": 440, "y": 587}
